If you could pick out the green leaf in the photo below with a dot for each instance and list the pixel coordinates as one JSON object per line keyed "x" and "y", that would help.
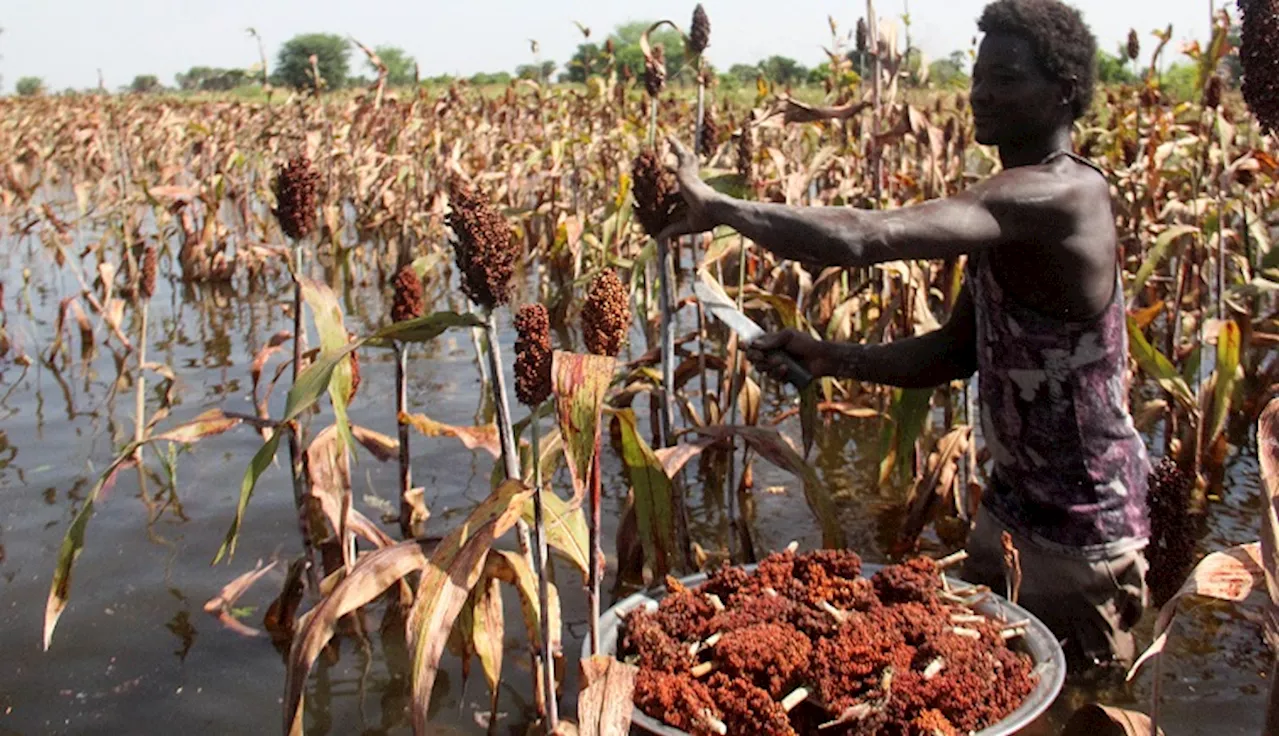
{"x": 1157, "y": 366}
{"x": 908, "y": 412}
{"x": 425, "y": 328}
{"x": 326, "y": 312}
{"x": 488, "y": 628}
{"x": 566, "y": 529}
{"x": 73, "y": 544}
{"x": 579, "y": 383}
{"x": 1159, "y": 251}
{"x": 257, "y": 466}
{"x": 809, "y": 414}
{"x": 1225, "y": 382}
{"x": 511, "y": 568}
{"x": 654, "y": 519}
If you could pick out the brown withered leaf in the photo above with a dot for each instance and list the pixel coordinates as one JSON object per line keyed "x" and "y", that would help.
{"x": 604, "y": 703}
{"x": 483, "y": 438}
{"x": 220, "y": 605}
{"x": 281, "y": 618}
{"x": 1104, "y": 720}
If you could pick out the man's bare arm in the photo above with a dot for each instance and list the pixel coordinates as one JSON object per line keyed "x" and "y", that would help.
{"x": 947, "y": 353}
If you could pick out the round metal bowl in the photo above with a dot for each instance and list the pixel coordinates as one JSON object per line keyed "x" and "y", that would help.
{"x": 1039, "y": 643}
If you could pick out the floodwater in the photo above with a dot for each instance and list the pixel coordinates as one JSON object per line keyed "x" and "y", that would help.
{"x": 135, "y": 653}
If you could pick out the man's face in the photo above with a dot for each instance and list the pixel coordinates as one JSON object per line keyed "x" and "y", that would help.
{"x": 1013, "y": 99}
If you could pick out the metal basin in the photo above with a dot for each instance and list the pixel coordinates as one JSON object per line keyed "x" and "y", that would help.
{"x": 1039, "y": 643}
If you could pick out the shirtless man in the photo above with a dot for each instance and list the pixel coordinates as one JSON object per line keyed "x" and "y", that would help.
{"x": 1040, "y": 319}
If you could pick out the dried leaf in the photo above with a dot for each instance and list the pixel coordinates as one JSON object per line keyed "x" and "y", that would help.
{"x": 488, "y": 628}
{"x": 220, "y": 605}
{"x": 484, "y": 438}
{"x": 453, "y": 570}
{"x": 281, "y": 618}
{"x": 604, "y": 704}
{"x": 1104, "y": 720}
{"x": 932, "y": 489}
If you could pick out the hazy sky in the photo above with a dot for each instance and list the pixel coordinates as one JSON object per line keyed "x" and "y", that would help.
{"x": 66, "y": 41}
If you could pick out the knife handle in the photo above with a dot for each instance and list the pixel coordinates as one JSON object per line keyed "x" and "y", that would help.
{"x": 797, "y": 375}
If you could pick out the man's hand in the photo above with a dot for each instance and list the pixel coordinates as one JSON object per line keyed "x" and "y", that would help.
{"x": 697, "y": 194}
{"x": 814, "y": 355}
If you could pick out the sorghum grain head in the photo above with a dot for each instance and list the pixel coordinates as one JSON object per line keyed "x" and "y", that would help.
{"x": 657, "y": 196}
{"x": 1172, "y": 548}
{"x": 295, "y": 189}
{"x": 147, "y": 279}
{"x": 408, "y": 301}
{"x": 485, "y": 248}
{"x": 707, "y": 142}
{"x": 533, "y": 354}
{"x": 655, "y": 71}
{"x": 699, "y": 30}
{"x": 1259, "y": 57}
{"x": 1131, "y": 48}
{"x": 1213, "y": 92}
{"x": 860, "y": 36}
{"x": 606, "y": 316}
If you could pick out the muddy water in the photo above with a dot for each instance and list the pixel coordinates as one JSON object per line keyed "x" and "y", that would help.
{"x": 134, "y": 651}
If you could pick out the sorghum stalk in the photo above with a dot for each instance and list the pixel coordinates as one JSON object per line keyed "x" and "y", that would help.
{"x": 407, "y": 304}
{"x": 146, "y": 288}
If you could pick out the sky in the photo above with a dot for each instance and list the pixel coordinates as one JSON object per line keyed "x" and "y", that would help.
{"x": 65, "y": 42}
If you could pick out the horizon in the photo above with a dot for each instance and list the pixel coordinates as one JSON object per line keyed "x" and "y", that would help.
{"x": 163, "y": 38}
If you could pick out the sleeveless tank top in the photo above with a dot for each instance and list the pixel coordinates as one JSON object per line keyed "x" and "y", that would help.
{"x": 1069, "y": 467}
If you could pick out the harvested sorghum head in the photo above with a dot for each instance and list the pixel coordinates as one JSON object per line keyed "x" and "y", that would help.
{"x": 678, "y": 700}
{"x": 295, "y": 190}
{"x": 485, "y": 249}
{"x": 747, "y": 709}
{"x": 606, "y": 315}
{"x": 657, "y": 196}
{"x": 655, "y": 71}
{"x": 699, "y": 30}
{"x": 533, "y": 354}
{"x": 684, "y": 613}
{"x": 408, "y": 300}
{"x": 1259, "y": 56}
{"x": 643, "y": 637}
{"x": 914, "y": 580}
{"x": 147, "y": 278}
{"x": 772, "y": 656}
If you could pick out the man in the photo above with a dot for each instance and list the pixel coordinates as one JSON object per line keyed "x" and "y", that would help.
{"x": 1040, "y": 318}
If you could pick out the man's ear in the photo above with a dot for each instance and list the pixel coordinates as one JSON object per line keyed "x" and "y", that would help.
{"x": 1067, "y": 89}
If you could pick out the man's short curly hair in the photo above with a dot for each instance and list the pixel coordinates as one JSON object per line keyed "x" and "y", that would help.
{"x": 1064, "y": 45}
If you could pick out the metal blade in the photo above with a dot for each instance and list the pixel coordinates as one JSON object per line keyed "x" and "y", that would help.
{"x": 718, "y": 303}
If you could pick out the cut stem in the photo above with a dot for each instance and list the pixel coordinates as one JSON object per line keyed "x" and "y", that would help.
{"x": 794, "y": 698}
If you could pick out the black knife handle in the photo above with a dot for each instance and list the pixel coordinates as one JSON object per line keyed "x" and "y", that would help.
{"x": 797, "y": 375}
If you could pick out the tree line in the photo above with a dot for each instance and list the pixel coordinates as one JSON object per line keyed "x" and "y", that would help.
{"x": 333, "y": 64}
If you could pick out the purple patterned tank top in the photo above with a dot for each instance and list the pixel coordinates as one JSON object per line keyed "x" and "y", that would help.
{"x": 1070, "y": 469}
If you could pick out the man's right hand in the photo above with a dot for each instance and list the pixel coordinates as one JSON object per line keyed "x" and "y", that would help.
{"x": 816, "y": 356}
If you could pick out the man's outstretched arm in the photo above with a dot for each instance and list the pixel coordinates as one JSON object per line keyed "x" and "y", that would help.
{"x": 948, "y": 353}
{"x": 1019, "y": 204}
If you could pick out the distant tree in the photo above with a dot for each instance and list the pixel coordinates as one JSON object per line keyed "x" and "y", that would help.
{"x": 194, "y": 78}
{"x": 145, "y": 84}
{"x": 949, "y": 73}
{"x": 744, "y": 73}
{"x": 1114, "y": 69}
{"x": 30, "y": 86}
{"x": 399, "y": 65}
{"x": 783, "y": 70}
{"x": 541, "y": 71}
{"x": 1179, "y": 80}
{"x": 590, "y": 58}
{"x": 491, "y": 78}
{"x": 293, "y": 64}
{"x": 211, "y": 79}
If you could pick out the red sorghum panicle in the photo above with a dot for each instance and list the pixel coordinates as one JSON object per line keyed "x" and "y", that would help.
{"x": 657, "y": 196}
{"x": 699, "y": 30}
{"x": 860, "y": 36}
{"x": 147, "y": 278}
{"x": 772, "y": 656}
{"x": 655, "y": 71}
{"x": 1171, "y": 551}
{"x": 485, "y": 248}
{"x": 1131, "y": 48}
{"x": 1213, "y": 92}
{"x": 710, "y": 134}
{"x": 747, "y": 709}
{"x": 679, "y": 700}
{"x": 746, "y": 152}
{"x": 1259, "y": 56}
{"x": 408, "y": 301}
{"x": 295, "y": 190}
{"x": 533, "y": 354}
{"x": 606, "y": 316}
